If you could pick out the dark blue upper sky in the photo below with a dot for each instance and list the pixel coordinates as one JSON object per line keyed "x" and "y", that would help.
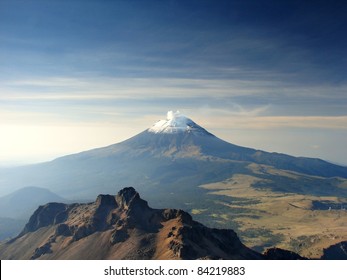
{"x": 302, "y": 41}
{"x": 80, "y": 60}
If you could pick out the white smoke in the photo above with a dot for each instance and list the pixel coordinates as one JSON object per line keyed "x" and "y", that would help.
{"x": 172, "y": 115}
{"x": 175, "y": 122}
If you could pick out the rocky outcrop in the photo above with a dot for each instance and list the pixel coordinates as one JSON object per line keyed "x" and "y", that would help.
{"x": 119, "y": 222}
{"x": 336, "y": 252}
{"x": 46, "y": 215}
{"x": 281, "y": 254}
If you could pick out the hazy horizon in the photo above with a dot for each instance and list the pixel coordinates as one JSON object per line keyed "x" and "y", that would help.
{"x": 77, "y": 75}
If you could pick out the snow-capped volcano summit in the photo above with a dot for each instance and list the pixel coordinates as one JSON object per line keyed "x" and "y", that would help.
{"x": 176, "y": 123}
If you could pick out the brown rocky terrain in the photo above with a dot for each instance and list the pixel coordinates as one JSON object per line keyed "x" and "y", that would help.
{"x": 120, "y": 227}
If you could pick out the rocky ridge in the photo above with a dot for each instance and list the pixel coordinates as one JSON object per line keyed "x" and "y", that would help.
{"x": 124, "y": 227}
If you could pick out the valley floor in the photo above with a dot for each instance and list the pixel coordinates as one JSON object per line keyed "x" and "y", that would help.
{"x": 305, "y": 224}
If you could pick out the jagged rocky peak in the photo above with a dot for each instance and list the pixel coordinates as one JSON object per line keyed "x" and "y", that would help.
{"x": 170, "y": 214}
{"x": 177, "y": 123}
{"x": 49, "y": 214}
{"x": 105, "y": 200}
{"x": 127, "y": 197}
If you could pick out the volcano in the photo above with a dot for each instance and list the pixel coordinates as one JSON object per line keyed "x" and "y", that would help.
{"x": 173, "y": 155}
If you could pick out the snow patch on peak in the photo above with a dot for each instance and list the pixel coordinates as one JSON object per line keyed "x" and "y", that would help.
{"x": 176, "y": 119}
{"x": 176, "y": 122}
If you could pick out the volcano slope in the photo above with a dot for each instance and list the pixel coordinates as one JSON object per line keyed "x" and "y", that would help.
{"x": 121, "y": 227}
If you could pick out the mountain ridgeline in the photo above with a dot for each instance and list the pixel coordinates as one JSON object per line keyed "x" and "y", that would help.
{"x": 120, "y": 227}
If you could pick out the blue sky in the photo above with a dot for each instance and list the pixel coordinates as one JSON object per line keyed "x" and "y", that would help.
{"x": 81, "y": 74}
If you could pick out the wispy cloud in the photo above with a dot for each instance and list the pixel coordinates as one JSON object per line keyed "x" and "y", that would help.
{"x": 251, "y": 121}
{"x": 252, "y": 104}
{"x": 140, "y": 88}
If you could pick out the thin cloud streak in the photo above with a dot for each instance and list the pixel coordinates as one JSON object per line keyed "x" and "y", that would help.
{"x": 275, "y": 122}
{"x": 139, "y": 88}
